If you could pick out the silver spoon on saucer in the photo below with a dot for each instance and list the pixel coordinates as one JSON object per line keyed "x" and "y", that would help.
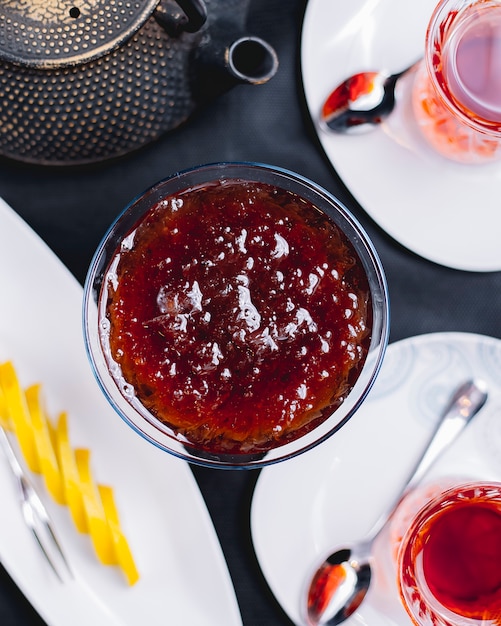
{"x": 340, "y": 584}
{"x": 361, "y": 102}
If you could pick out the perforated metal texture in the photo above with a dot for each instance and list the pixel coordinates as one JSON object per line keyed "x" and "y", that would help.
{"x": 100, "y": 109}
{"x": 53, "y": 33}
{"x": 89, "y": 111}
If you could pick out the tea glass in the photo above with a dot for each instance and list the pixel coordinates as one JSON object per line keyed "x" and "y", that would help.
{"x": 457, "y": 89}
{"x": 457, "y": 531}
{"x": 94, "y": 315}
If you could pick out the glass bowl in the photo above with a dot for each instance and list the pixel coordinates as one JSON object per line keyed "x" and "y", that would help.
{"x": 249, "y": 402}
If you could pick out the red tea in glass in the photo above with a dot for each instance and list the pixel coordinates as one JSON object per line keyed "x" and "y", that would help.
{"x": 457, "y": 92}
{"x": 449, "y": 565}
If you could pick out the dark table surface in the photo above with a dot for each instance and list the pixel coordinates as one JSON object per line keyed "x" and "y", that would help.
{"x": 71, "y": 208}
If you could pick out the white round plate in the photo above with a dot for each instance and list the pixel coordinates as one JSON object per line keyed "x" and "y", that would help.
{"x": 184, "y": 578}
{"x": 446, "y": 212}
{"x": 304, "y": 508}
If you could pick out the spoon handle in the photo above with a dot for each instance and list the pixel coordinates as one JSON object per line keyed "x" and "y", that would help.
{"x": 465, "y": 403}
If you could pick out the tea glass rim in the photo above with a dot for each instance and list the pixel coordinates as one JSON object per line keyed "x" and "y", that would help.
{"x": 435, "y": 35}
{"x": 418, "y": 598}
{"x": 154, "y": 431}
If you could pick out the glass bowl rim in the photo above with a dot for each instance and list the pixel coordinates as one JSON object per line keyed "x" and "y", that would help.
{"x": 379, "y": 294}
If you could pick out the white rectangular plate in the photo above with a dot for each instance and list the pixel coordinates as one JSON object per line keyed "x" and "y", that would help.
{"x": 184, "y": 578}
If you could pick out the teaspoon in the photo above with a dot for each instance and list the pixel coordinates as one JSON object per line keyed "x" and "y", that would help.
{"x": 361, "y": 102}
{"x": 340, "y": 584}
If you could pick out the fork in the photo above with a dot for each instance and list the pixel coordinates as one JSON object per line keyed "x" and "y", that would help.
{"x": 34, "y": 512}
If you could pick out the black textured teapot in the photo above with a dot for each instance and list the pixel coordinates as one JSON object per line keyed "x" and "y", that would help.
{"x": 87, "y": 80}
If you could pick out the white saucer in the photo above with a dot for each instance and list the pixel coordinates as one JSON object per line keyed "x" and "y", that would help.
{"x": 184, "y": 578}
{"x": 446, "y": 212}
{"x": 305, "y": 507}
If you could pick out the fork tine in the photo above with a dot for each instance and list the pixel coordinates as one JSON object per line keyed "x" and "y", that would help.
{"x": 44, "y": 518}
{"x": 58, "y": 548}
{"x": 33, "y": 509}
{"x": 40, "y": 542}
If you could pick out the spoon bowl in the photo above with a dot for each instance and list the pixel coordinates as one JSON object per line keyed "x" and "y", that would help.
{"x": 340, "y": 584}
{"x": 361, "y": 102}
{"x": 342, "y": 581}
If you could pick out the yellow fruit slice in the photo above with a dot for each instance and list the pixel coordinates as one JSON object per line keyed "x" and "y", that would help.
{"x": 46, "y": 449}
{"x": 96, "y": 521}
{"x": 52, "y": 430}
{"x": 4, "y": 416}
{"x": 69, "y": 472}
{"x": 122, "y": 549}
{"x": 19, "y": 414}
{"x": 49, "y": 465}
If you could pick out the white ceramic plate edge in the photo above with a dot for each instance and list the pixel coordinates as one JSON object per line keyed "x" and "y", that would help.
{"x": 184, "y": 577}
{"x": 324, "y": 498}
{"x": 443, "y": 211}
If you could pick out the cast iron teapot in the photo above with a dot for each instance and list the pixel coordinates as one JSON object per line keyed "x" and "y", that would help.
{"x": 88, "y": 80}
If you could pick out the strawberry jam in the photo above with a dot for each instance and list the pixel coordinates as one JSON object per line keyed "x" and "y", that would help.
{"x": 239, "y": 314}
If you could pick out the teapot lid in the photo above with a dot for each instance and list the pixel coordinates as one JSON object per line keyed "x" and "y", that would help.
{"x": 54, "y": 33}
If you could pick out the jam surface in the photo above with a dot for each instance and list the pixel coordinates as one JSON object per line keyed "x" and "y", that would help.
{"x": 239, "y": 313}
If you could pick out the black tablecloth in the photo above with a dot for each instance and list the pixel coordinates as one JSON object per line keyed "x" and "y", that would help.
{"x": 71, "y": 208}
